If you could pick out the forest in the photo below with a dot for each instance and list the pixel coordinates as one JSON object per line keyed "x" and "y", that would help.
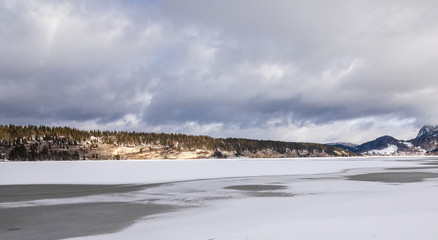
{"x": 65, "y": 143}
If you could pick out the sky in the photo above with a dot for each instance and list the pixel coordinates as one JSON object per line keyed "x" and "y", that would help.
{"x": 312, "y": 71}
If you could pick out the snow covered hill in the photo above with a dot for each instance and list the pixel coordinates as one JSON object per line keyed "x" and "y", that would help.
{"x": 426, "y": 142}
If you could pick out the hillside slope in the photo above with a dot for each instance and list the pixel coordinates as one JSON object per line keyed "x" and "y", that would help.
{"x": 65, "y": 143}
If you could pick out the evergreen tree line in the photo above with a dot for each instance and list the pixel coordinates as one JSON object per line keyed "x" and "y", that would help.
{"x": 18, "y": 137}
{"x": 20, "y": 152}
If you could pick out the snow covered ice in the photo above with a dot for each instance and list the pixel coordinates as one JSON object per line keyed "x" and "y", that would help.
{"x": 320, "y": 198}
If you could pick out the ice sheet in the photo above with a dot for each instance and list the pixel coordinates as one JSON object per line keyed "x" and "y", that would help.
{"x": 153, "y": 171}
{"x": 255, "y": 198}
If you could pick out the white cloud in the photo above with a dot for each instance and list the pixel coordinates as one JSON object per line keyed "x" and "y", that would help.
{"x": 272, "y": 72}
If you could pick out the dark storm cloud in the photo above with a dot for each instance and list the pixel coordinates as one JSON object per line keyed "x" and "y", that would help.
{"x": 290, "y": 70}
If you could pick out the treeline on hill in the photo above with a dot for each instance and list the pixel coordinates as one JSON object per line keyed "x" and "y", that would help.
{"x": 37, "y": 142}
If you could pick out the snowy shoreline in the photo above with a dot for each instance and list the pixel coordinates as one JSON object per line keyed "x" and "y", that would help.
{"x": 155, "y": 171}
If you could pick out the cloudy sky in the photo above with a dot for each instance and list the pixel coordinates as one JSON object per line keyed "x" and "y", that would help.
{"x": 320, "y": 71}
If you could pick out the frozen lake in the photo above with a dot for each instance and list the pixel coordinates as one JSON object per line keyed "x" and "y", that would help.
{"x": 320, "y": 198}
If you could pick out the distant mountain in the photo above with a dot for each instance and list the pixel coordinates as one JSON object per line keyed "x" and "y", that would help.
{"x": 428, "y": 131}
{"x": 427, "y": 138}
{"x": 385, "y": 145}
{"x": 426, "y": 142}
